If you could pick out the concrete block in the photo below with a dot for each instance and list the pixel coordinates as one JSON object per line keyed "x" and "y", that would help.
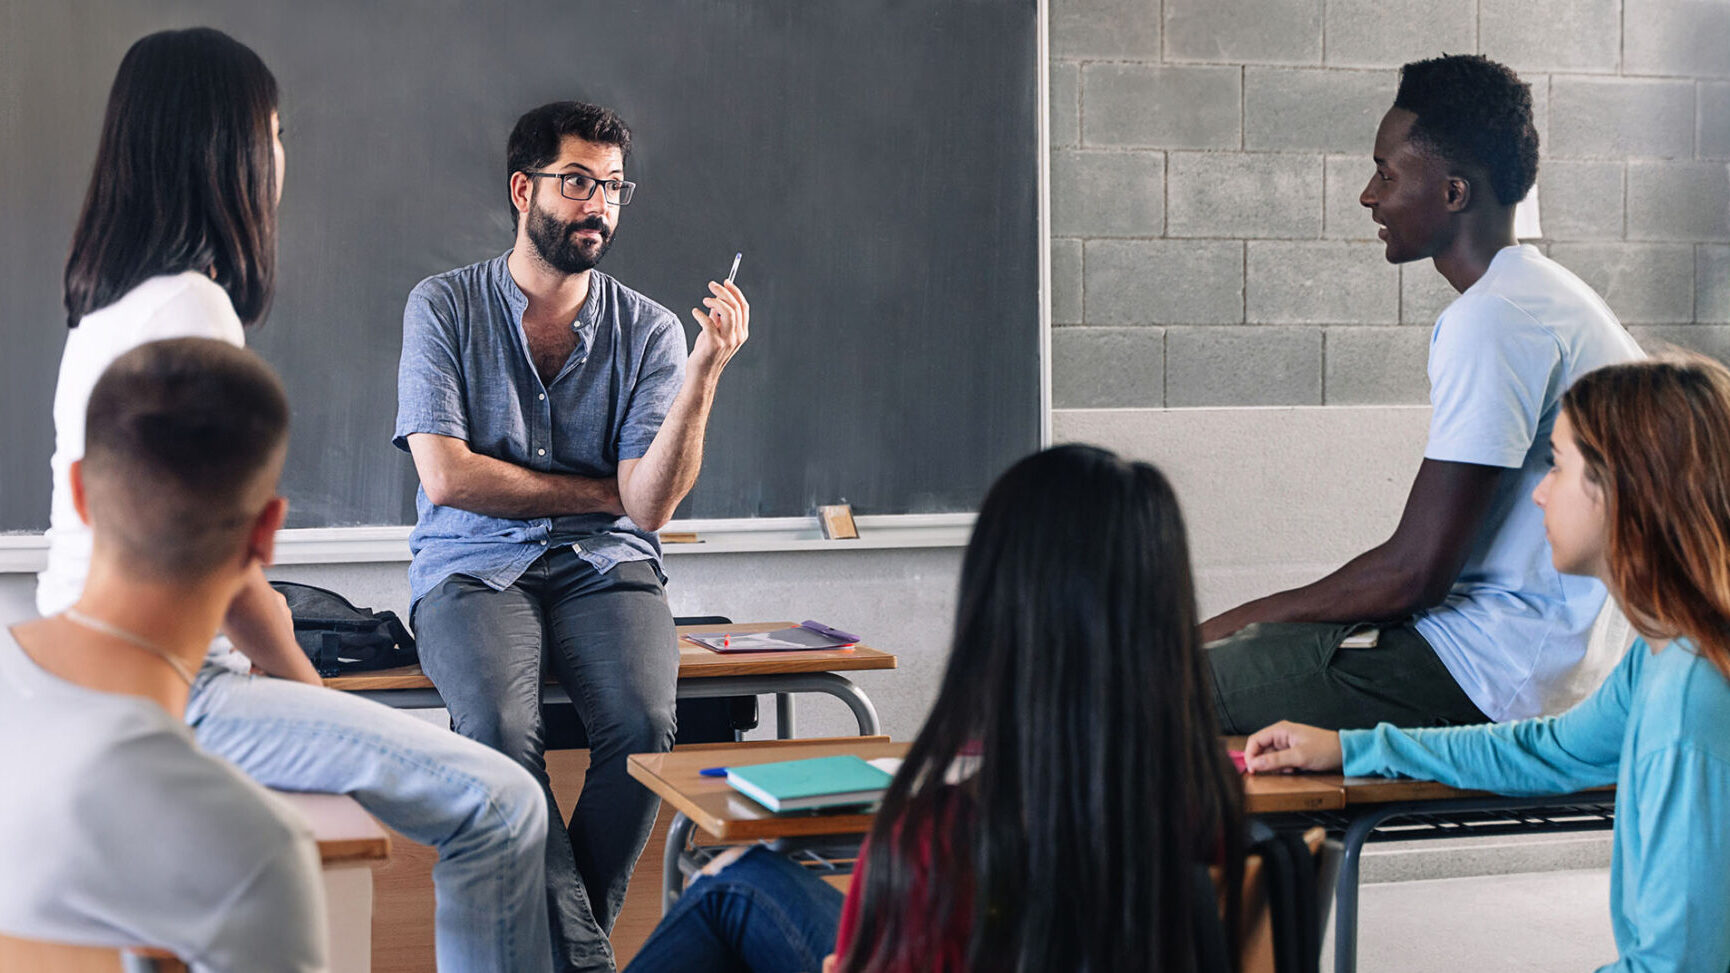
{"x": 1582, "y": 200}
{"x": 1243, "y": 366}
{"x": 1424, "y": 294}
{"x": 1065, "y": 107}
{"x": 1066, "y": 282}
{"x": 1244, "y": 31}
{"x": 1713, "y": 139}
{"x": 1382, "y": 34}
{"x": 1344, "y": 217}
{"x": 1324, "y": 282}
{"x": 1107, "y": 193}
{"x": 1107, "y": 368}
{"x": 1712, "y": 284}
{"x": 1679, "y": 201}
{"x": 1690, "y": 38}
{"x": 1707, "y": 339}
{"x": 1551, "y": 35}
{"x": 1257, "y": 194}
{"x": 1105, "y": 28}
{"x": 1644, "y": 283}
{"x": 1377, "y": 366}
{"x": 1180, "y": 107}
{"x": 1163, "y": 282}
{"x": 1293, "y": 109}
{"x": 1614, "y": 118}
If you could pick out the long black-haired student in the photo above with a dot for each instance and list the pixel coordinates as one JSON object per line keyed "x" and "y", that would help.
{"x": 1056, "y": 806}
{"x": 177, "y": 239}
{"x": 1638, "y": 496}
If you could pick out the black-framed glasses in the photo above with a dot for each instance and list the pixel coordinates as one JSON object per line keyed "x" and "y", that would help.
{"x": 576, "y": 185}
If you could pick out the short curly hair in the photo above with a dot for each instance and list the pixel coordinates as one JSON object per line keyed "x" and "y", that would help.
{"x": 1474, "y": 112}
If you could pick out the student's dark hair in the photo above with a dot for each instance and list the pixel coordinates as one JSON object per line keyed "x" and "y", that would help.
{"x": 1654, "y": 436}
{"x": 185, "y": 176}
{"x": 536, "y": 138}
{"x": 1102, "y": 784}
{"x": 1476, "y": 114}
{"x": 176, "y": 436}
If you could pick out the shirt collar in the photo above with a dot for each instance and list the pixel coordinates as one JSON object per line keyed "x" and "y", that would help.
{"x": 587, "y": 316}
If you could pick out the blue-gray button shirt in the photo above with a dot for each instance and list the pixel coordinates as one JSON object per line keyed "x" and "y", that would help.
{"x": 466, "y": 373}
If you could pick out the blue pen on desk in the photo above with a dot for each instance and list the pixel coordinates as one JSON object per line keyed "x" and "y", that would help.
{"x": 712, "y": 772}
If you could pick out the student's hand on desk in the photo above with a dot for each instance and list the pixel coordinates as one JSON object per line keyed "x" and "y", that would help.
{"x": 726, "y": 325}
{"x": 1292, "y": 746}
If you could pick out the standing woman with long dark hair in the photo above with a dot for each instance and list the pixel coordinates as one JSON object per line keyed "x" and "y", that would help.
{"x": 1638, "y": 496}
{"x": 1068, "y": 788}
{"x": 177, "y": 239}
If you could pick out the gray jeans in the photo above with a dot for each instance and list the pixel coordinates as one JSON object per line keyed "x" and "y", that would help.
{"x": 609, "y": 640}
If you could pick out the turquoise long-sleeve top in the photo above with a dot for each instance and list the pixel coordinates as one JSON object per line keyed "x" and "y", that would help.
{"x": 1659, "y": 728}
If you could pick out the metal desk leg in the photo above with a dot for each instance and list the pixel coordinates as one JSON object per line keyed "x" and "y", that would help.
{"x": 784, "y": 716}
{"x": 1346, "y": 890}
{"x": 827, "y": 683}
{"x": 672, "y": 877}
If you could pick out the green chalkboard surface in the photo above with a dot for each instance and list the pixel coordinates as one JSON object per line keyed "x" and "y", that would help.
{"x": 876, "y": 161}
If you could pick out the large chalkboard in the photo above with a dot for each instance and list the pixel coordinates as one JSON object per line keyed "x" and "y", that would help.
{"x": 876, "y": 161}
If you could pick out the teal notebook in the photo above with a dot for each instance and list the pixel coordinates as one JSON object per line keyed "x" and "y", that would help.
{"x": 800, "y": 785}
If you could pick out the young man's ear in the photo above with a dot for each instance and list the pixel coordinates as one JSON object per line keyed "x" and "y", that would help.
{"x": 261, "y": 539}
{"x": 1459, "y": 194}
{"x": 80, "y": 500}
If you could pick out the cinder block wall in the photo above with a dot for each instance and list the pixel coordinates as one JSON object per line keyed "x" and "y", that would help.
{"x": 1207, "y": 157}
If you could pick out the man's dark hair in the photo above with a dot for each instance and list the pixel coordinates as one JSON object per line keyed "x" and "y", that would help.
{"x": 1474, "y": 113}
{"x": 185, "y": 176}
{"x": 177, "y": 436}
{"x": 536, "y": 138}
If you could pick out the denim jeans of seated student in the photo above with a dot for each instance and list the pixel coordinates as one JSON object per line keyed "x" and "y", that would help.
{"x": 609, "y": 640}
{"x": 761, "y": 914}
{"x": 481, "y": 812}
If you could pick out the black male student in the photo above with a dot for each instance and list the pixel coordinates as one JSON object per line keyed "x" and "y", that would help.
{"x": 556, "y": 422}
{"x": 1459, "y": 617}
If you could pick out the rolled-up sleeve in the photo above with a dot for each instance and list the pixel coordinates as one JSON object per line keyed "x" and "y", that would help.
{"x": 429, "y": 378}
{"x": 658, "y": 383}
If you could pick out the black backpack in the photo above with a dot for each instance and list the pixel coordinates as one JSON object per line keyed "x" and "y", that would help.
{"x": 340, "y": 638}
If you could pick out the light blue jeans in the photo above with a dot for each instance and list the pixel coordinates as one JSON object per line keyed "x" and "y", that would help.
{"x": 484, "y": 814}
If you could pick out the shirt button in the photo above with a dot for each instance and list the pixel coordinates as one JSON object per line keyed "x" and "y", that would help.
{"x": 540, "y": 452}
{"x": 542, "y": 396}
{"x": 543, "y": 543}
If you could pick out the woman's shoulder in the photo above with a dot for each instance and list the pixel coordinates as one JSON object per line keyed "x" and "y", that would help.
{"x": 184, "y": 305}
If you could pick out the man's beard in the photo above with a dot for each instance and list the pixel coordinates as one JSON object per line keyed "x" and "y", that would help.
{"x": 557, "y": 244}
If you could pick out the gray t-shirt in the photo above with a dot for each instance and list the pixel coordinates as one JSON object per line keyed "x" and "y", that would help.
{"x": 116, "y": 830}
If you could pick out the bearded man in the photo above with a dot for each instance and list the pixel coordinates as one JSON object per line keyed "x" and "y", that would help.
{"x": 556, "y": 421}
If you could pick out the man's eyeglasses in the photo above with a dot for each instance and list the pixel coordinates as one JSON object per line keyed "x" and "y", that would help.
{"x": 576, "y": 185}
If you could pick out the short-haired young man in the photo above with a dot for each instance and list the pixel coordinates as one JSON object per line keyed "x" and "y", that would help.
{"x": 556, "y": 424}
{"x": 1469, "y": 621}
{"x": 116, "y": 829}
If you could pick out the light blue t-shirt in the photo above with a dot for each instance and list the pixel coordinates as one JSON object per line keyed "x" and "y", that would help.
{"x": 1659, "y": 729}
{"x": 1501, "y": 356}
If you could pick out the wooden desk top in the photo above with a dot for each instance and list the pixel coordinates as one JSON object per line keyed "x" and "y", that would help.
{"x": 695, "y": 662}
{"x": 345, "y": 832}
{"x": 728, "y": 815}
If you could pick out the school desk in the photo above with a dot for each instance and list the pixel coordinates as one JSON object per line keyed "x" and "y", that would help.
{"x": 350, "y": 843}
{"x": 1360, "y": 809}
{"x": 702, "y": 674}
{"x": 727, "y": 816}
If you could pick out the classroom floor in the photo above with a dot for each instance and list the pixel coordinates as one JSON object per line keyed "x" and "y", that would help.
{"x": 1546, "y": 922}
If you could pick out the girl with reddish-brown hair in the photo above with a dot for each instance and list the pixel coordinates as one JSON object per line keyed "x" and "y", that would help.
{"x": 1638, "y": 495}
